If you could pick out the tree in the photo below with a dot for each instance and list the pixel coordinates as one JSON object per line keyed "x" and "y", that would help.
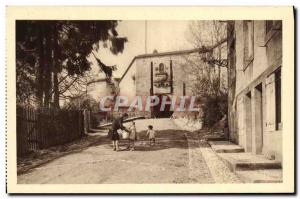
{"x": 204, "y": 69}
{"x": 212, "y": 33}
{"x": 82, "y": 102}
{"x": 51, "y": 52}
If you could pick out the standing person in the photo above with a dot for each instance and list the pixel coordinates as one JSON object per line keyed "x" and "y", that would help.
{"x": 118, "y": 124}
{"x": 151, "y": 133}
{"x": 132, "y": 136}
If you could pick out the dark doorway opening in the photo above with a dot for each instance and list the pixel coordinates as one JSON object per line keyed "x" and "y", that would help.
{"x": 258, "y": 119}
{"x": 166, "y": 113}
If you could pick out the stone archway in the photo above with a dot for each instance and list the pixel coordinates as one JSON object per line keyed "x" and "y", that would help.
{"x": 166, "y": 113}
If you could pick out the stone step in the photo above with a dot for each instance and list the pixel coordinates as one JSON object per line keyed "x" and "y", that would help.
{"x": 225, "y": 147}
{"x": 248, "y": 161}
{"x": 216, "y": 138}
{"x": 261, "y": 176}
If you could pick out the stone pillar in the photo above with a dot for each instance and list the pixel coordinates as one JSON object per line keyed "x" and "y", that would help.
{"x": 257, "y": 123}
{"x": 248, "y": 121}
{"x": 241, "y": 129}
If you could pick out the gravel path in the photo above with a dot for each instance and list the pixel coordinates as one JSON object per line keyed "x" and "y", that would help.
{"x": 199, "y": 171}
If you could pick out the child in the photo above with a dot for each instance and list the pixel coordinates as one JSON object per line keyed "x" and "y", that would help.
{"x": 151, "y": 134}
{"x": 132, "y": 136}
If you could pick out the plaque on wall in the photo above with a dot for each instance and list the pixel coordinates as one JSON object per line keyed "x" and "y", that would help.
{"x": 162, "y": 78}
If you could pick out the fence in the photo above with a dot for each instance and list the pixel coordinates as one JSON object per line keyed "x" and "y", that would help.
{"x": 87, "y": 120}
{"x": 43, "y": 128}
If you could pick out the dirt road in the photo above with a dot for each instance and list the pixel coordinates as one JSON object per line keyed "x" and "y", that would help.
{"x": 172, "y": 160}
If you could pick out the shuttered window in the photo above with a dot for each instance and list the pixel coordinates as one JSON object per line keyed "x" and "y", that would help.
{"x": 269, "y": 25}
{"x": 248, "y": 27}
{"x": 270, "y": 103}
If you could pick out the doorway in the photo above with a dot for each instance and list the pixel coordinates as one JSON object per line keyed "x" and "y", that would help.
{"x": 166, "y": 113}
{"x": 258, "y": 117}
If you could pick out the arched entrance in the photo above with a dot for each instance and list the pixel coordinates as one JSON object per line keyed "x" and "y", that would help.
{"x": 166, "y": 113}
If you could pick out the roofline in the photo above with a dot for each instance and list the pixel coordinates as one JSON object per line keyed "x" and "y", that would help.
{"x": 127, "y": 69}
{"x": 171, "y": 53}
{"x": 195, "y": 50}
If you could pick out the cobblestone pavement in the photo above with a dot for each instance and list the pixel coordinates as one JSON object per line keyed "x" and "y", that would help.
{"x": 177, "y": 157}
{"x": 215, "y": 170}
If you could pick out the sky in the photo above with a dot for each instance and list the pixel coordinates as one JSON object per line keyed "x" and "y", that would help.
{"x": 163, "y": 36}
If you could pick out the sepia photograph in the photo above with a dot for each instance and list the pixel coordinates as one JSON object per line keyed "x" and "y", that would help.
{"x": 147, "y": 101}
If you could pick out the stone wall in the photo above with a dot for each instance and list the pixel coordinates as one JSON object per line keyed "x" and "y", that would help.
{"x": 128, "y": 83}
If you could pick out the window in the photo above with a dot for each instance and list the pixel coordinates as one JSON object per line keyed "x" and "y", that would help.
{"x": 161, "y": 68}
{"x": 248, "y": 42}
{"x": 278, "y": 99}
{"x": 271, "y": 27}
{"x": 183, "y": 89}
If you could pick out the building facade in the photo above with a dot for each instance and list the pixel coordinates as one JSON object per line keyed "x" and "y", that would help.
{"x": 98, "y": 88}
{"x": 165, "y": 74}
{"x": 254, "y": 86}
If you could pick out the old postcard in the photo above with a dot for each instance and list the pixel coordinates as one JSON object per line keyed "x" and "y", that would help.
{"x": 150, "y": 100}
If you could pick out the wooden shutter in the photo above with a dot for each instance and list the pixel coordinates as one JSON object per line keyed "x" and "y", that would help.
{"x": 270, "y": 103}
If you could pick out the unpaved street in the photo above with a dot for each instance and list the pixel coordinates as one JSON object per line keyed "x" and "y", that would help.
{"x": 171, "y": 160}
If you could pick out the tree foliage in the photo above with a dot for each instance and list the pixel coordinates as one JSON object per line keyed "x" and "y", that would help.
{"x": 206, "y": 33}
{"x": 82, "y": 102}
{"x": 213, "y": 100}
{"x": 207, "y": 82}
{"x": 47, "y": 49}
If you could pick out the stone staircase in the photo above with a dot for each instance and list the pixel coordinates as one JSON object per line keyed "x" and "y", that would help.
{"x": 249, "y": 167}
{"x": 225, "y": 147}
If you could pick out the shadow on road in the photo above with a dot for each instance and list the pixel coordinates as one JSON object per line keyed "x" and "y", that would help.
{"x": 165, "y": 139}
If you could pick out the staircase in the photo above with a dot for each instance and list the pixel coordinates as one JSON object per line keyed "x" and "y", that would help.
{"x": 251, "y": 168}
